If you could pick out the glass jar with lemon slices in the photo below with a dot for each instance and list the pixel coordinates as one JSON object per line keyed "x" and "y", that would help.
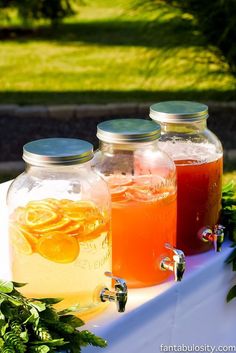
{"x": 142, "y": 182}
{"x": 59, "y": 224}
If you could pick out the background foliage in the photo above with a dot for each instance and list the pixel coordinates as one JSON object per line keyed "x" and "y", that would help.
{"x": 216, "y": 19}
{"x": 54, "y": 10}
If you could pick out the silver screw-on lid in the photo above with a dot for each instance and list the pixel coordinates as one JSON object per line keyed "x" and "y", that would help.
{"x": 178, "y": 112}
{"x": 57, "y": 151}
{"x": 128, "y": 130}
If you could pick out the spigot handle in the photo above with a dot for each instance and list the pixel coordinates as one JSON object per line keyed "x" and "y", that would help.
{"x": 178, "y": 252}
{"x": 218, "y": 237}
{"x": 120, "y": 282}
{"x": 214, "y": 236}
{"x": 177, "y": 265}
{"x": 119, "y": 295}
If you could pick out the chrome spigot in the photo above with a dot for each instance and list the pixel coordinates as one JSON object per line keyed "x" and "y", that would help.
{"x": 177, "y": 265}
{"x": 119, "y": 295}
{"x": 215, "y": 236}
{"x": 219, "y": 237}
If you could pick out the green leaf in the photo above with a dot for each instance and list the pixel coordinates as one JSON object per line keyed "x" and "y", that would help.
{"x": 34, "y": 325}
{"x": 72, "y": 320}
{"x": 228, "y": 187}
{"x": 231, "y": 257}
{"x": 55, "y": 343}
{"x": 24, "y": 336}
{"x": 38, "y": 305}
{"x": 51, "y": 300}
{"x": 34, "y": 312}
{"x": 90, "y": 338}
{"x": 34, "y": 317}
{"x": 71, "y": 309}
{"x": 1, "y": 342}
{"x": 6, "y": 286}
{"x": 13, "y": 300}
{"x": 231, "y": 294}
{"x": 18, "y": 285}
{"x": 63, "y": 328}
{"x": 14, "y": 340}
{"x": 6, "y": 310}
{"x": 42, "y": 332}
{"x": 3, "y": 327}
{"x": 49, "y": 315}
{"x": 40, "y": 349}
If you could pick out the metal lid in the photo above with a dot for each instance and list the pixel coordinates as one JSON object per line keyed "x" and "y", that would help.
{"x": 128, "y": 130}
{"x": 178, "y": 112}
{"x": 57, "y": 151}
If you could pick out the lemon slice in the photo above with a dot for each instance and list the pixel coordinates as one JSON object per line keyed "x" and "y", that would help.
{"x": 19, "y": 241}
{"x": 58, "y": 247}
{"x": 94, "y": 232}
{"x": 60, "y": 225}
{"x": 40, "y": 216}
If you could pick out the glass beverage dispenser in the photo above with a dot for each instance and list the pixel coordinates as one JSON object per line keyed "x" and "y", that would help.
{"x": 142, "y": 182}
{"x": 59, "y": 224}
{"x": 198, "y": 157}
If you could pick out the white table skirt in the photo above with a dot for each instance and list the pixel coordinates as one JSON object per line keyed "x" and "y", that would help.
{"x": 192, "y": 312}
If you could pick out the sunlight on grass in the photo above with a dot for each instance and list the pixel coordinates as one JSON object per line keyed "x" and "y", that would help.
{"x": 113, "y": 48}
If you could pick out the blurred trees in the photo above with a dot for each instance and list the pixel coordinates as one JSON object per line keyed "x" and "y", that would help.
{"x": 216, "y": 19}
{"x": 54, "y": 10}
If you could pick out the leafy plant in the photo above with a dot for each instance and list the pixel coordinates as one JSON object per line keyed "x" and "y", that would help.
{"x": 228, "y": 218}
{"x": 54, "y": 10}
{"x": 34, "y": 326}
{"x": 228, "y": 214}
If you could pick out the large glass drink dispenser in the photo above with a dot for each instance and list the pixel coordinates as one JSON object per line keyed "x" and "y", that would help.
{"x": 198, "y": 157}
{"x": 59, "y": 224}
{"x": 142, "y": 182}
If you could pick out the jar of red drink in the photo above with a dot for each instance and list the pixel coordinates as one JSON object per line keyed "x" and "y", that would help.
{"x": 142, "y": 182}
{"x": 198, "y": 157}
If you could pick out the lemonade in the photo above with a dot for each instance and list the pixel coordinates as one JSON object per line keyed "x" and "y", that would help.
{"x": 143, "y": 220}
{"x": 61, "y": 248}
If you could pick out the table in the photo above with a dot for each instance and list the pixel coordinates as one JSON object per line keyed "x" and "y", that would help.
{"x": 193, "y": 311}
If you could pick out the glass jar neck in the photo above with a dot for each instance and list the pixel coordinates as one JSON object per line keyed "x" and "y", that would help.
{"x": 187, "y": 128}
{"x": 108, "y": 147}
{"x": 50, "y": 169}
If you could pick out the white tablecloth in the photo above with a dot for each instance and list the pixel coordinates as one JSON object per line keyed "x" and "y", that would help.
{"x": 181, "y": 314}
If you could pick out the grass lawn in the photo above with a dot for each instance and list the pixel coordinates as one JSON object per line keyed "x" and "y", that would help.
{"x": 112, "y": 52}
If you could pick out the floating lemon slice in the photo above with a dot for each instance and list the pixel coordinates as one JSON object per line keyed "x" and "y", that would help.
{"x": 19, "y": 215}
{"x": 80, "y": 211}
{"x": 19, "y": 241}
{"x": 121, "y": 180}
{"x": 31, "y": 237}
{"x": 54, "y": 227}
{"x": 118, "y": 193}
{"x": 38, "y": 204}
{"x": 50, "y": 203}
{"x": 58, "y": 247}
{"x": 75, "y": 215}
{"x": 60, "y": 225}
{"x": 40, "y": 216}
{"x": 74, "y": 228}
{"x": 94, "y": 232}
